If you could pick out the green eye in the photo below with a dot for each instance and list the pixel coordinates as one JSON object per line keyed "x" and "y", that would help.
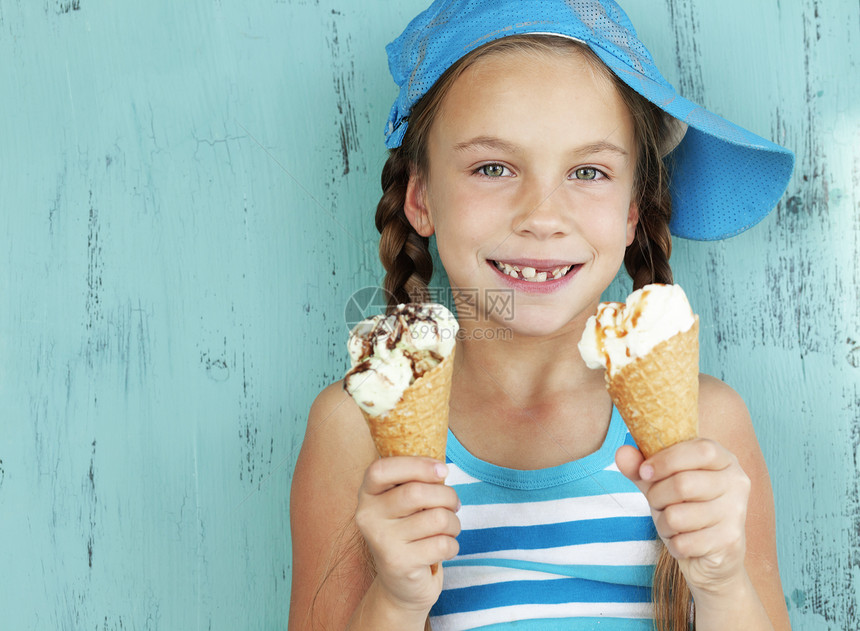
{"x": 493, "y": 170}
{"x": 586, "y": 173}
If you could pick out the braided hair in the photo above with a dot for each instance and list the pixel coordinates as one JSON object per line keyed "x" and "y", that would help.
{"x": 647, "y": 258}
{"x": 404, "y": 253}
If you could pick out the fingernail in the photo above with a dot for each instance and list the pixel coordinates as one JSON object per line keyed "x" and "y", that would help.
{"x": 646, "y": 472}
{"x": 441, "y": 471}
{"x": 459, "y": 506}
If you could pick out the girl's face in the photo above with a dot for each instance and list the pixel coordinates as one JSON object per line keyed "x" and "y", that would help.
{"x": 529, "y": 188}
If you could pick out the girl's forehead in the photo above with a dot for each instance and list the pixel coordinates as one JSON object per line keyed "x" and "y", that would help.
{"x": 544, "y": 70}
{"x": 527, "y": 93}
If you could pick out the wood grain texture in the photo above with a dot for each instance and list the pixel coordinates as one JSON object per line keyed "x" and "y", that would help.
{"x": 187, "y": 197}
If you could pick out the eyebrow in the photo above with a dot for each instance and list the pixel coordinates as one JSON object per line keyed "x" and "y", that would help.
{"x": 601, "y": 146}
{"x": 486, "y": 142}
{"x": 497, "y": 144}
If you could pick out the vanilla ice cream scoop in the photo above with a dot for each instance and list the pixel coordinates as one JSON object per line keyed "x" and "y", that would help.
{"x": 649, "y": 346}
{"x": 621, "y": 332}
{"x": 388, "y": 353}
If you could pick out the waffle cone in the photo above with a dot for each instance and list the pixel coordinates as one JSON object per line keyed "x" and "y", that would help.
{"x": 658, "y": 394}
{"x": 418, "y": 424}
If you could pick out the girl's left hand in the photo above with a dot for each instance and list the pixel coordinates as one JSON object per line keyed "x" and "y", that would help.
{"x": 698, "y": 495}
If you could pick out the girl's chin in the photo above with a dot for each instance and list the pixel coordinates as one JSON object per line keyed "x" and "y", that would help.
{"x": 527, "y": 321}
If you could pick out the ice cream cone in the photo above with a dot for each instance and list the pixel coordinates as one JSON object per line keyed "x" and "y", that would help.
{"x": 658, "y": 394}
{"x": 418, "y": 424}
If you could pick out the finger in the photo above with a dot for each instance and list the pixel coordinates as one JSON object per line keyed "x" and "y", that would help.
{"x": 411, "y": 497}
{"x": 716, "y": 541}
{"x": 386, "y": 473}
{"x": 412, "y": 560}
{"x": 699, "y": 453}
{"x": 687, "y": 486}
{"x": 688, "y": 517}
{"x": 629, "y": 459}
{"x": 435, "y": 549}
{"x": 430, "y": 523}
{"x": 393, "y": 541}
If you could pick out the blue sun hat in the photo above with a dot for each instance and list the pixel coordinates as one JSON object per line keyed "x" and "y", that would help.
{"x": 725, "y": 179}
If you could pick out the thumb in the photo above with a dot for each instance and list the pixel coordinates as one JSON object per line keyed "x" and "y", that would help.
{"x": 629, "y": 459}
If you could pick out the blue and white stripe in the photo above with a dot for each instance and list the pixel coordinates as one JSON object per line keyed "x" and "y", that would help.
{"x": 570, "y": 547}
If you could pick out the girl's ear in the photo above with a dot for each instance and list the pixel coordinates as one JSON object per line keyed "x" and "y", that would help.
{"x": 632, "y": 222}
{"x": 415, "y": 206}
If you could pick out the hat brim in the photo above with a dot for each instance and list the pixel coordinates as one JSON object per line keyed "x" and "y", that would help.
{"x": 727, "y": 155}
{"x": 724, "y": 179}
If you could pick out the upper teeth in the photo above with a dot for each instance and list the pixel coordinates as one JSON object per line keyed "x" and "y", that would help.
{"x": 531, "y": 274}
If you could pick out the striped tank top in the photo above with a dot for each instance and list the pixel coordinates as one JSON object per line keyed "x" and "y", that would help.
{"x": 569, "y": 547}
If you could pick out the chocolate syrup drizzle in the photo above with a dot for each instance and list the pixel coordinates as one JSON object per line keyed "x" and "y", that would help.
{"x": 394, "y": 326}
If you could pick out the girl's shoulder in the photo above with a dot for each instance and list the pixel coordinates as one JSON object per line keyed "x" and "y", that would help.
{"x": 717, "y": 398}
{"x": 724, "y": 417}
{"x": 336, "y": 450}
{"x": 333, "y": 403}
{"x": 336, "y": 431}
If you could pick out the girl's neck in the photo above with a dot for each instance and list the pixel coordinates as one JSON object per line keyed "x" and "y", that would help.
{"x": 530, "y": 367}
{"x": 525, "y": 402}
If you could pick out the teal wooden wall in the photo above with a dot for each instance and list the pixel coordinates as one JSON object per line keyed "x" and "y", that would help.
{"x": 187, "y": 191}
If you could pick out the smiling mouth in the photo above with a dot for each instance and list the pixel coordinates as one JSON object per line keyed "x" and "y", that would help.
{"x": 530, "y": 274}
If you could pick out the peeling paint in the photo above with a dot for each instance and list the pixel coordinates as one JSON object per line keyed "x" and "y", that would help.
{"x": 174, "y": 294}
{"x": 58, "y": 198}
{"x": 65, "y": 6}
{"x": 95, "y": 269}
{"x": 257, "y": 449}
{"x": 685, "y": 26}
{"x": 853, "y": 356}
{"x": 215, "y": 363}
{"x": 90, "y": 490}
{"x": 344, "y": 86}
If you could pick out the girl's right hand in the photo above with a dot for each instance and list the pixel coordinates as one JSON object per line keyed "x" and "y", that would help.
{"x": 407, "y": 516}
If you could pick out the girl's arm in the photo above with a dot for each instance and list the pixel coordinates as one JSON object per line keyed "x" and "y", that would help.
{"x": 725, "y": 419}
{"x": 339, "y": 480}
{"x": 713, "y": 506}
{"x": 335, "y": 452}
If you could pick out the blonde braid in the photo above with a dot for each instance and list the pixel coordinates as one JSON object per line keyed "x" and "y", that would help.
{"x": 647, "y": 261}
{"x": 404, "y": 253}
{"x": 647, "y": 258}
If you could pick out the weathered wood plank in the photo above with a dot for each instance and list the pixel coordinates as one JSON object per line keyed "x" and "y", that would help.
{"x": 188, "y": 191}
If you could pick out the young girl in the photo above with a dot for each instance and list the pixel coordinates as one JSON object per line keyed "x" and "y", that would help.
{"x": 542, "y": 148}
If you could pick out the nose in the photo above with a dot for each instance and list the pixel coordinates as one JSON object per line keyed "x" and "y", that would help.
{"x": 544, "y": 211}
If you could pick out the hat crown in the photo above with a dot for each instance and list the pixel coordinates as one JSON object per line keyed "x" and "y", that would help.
{"x": 449, "y": 29}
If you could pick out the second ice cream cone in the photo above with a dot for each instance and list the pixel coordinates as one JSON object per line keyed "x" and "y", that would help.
{"x": 418, "y": 424}
{"x": 658, "y": 394}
